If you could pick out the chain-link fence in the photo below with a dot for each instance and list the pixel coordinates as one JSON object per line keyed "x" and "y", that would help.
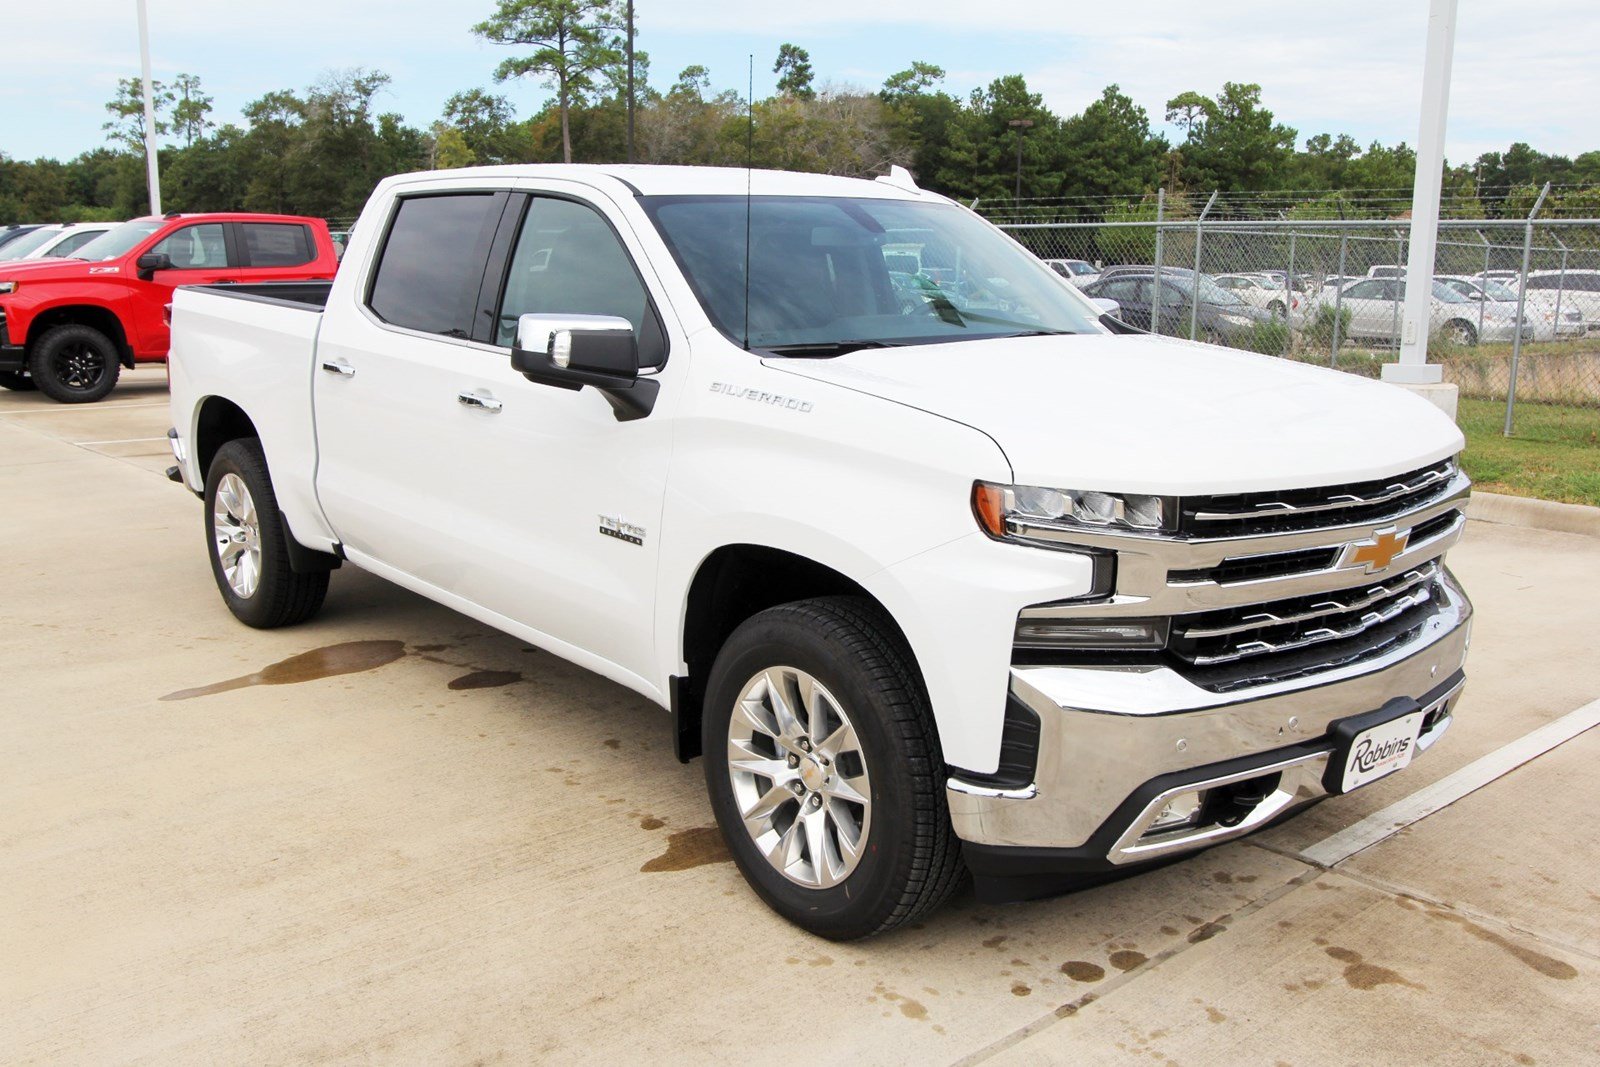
{"x": 1514, "y": 300}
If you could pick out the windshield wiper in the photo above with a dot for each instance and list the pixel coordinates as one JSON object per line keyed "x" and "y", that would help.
{"x": 824, "y": 349}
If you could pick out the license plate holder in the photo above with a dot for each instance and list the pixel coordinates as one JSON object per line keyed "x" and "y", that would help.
{"x": 1373, "y": 746}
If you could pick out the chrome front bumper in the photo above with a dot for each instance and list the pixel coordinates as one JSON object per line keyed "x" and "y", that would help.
{"x": 1116, "y": 740}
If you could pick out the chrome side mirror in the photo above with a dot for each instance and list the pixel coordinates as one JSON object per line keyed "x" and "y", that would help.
{"x": 572, "y": 351}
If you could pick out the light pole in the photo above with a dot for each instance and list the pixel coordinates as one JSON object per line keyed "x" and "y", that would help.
{"x": 1021, "y": 126}
{"x": 151, "y": 163}
{"x": 630, "y": 81}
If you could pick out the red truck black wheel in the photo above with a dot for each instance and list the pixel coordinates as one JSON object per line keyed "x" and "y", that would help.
{"x": 74, "y": 364}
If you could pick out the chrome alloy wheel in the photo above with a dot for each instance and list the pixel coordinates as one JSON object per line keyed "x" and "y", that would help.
{"x": 237, "y": 532}
{"x": 799, "y": 777}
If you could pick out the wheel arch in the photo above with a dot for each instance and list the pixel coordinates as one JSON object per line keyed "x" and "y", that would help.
{"x": 218, "y": 420}
{"x": 92, "y": 315}
{"x": 732, "y": 583}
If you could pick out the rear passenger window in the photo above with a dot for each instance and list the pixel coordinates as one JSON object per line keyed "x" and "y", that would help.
{"x": 276, "y": 244}
{"x": 195, "y": 247}
{"x": 432, "y": 262}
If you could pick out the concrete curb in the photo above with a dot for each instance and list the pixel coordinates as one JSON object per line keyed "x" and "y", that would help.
{"x": 1542, "y": 514}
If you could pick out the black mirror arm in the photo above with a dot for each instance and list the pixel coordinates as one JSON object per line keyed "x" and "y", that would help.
{"x": 629, "y": 398}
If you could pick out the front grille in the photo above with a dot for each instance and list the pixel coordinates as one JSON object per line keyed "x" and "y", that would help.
{"x": 1249, "y": 514}
{"x": 1252, "y": 568}
{"x": 1361, "y": 620}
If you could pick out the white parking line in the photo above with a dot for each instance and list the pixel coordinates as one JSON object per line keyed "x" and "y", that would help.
{"x": 123, "y": 441}
{"x": 1451, "y": 788}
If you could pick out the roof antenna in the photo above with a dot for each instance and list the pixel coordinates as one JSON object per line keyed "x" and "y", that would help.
{"x": 749, "y": 164}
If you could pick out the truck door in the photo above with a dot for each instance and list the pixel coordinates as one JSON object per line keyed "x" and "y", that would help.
{"x": 199, "y": 255}
{"x": 442, "y": 462}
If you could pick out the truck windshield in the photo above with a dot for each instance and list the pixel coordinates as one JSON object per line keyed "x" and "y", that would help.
{"x": 28, "y": 242}
{"x": 831, "y": 274}
{"x": 114, "y": 243}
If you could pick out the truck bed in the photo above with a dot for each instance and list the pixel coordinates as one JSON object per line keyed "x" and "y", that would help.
{"x": 309, "y": 295}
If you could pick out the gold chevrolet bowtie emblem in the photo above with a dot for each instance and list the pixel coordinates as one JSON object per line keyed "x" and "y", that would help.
{"x": 1376, "y": 553}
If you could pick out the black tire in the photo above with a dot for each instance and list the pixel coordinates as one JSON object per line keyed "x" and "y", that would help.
{"x": 1275, "y": 309}
{"x": 910, "y": 858}
{"x": 74, "y": 364}
{"x": 1460, "y": 332}
{"x": 281, "y": 597}
{"x": 16, "y": 381}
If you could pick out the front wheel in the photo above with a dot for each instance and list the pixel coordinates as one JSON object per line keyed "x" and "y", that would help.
{"x": 1460, "y": 333}
{"x": 247, "y": 538}
{"x": 74, "y": 364}
{"x": 824, "y": 770}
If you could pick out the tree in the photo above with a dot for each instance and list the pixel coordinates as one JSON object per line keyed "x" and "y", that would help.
{"x": 189, "y": 112}
{"x": 1108, "y": 150}
{"x": 1231, "y": 142}
{"x": 573, "y": 40}
{"x": 919, "y": 114}
{"x": 486, "y": 124}
{"x": 793, "y": 69}
{"x": 126, "y": 126}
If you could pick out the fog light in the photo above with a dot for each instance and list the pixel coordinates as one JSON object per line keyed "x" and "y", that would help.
{"x": 1036, "y": 629}
{"x": 1182, "y": 810}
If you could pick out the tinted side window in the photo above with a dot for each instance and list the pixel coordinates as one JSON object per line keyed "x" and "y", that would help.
{"x": 276, "y": 244}
{"x": 74, "y": 242}
{"x": 195, "y": 247}
{"x": 432, "y": 262}
{"x": 1123, "y": 292}
{"x": 569, "y": 261}
{"x": 1365, "y": 291}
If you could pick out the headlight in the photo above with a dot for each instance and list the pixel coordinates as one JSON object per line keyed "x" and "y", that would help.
{"x": 7, "y": 288}
{"x": 998, "y": 507}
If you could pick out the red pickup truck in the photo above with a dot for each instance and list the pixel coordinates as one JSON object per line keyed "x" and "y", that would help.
{"x": 69, "y": 326}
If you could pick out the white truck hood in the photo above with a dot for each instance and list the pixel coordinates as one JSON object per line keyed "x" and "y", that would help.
{"x": 1153, "y": 415}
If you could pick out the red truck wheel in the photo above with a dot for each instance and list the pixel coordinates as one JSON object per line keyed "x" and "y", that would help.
{"x": 74, "y": 364}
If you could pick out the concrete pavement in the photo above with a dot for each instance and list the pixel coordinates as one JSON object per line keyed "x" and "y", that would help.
{"x": 392, "y": 835}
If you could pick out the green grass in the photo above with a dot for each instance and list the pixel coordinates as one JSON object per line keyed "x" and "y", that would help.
{"x": 1554, "y": 454}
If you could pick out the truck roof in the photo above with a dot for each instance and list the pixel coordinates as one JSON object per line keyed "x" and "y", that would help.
{"x": 225, "y": 216}
{"x": 653, "y": 180}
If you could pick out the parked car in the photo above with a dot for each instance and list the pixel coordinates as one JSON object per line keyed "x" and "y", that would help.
{"x": 1303, "y": 283}
{"x": 1374, "y": 307}
{"x": 1578, "y": 289}
{"x": 1549, "y": 322}
{"x": 1386, "y": 270}
{"x": 1504, "y": 276}
{"x": 68, "y": 326}
{"x": 1265, "y": 292}
{"x": 1223, "y": 317}
{"x": 16, "y": 231}
{"x": 54, "y": 242}
{"x": 1077, "y": 271}
{"x": 927, "y": 591}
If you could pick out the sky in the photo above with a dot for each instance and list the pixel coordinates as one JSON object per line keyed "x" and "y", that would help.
{"x": 1525, "y": 70}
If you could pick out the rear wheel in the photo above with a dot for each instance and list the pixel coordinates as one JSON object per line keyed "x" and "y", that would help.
{"x": 1460, "y": 333}
{"x": 74, "y": 364}
{"x": 1276, "y": 309}
{"x": 824, "y": 770}
{"x": 17, "y": 381}
{"x": 249, "y": 550}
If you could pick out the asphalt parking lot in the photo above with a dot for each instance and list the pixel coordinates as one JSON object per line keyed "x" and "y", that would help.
{"x": 394, "y": 835}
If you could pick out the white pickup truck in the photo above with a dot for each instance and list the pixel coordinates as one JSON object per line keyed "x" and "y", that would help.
{"x": 937, "y": 571}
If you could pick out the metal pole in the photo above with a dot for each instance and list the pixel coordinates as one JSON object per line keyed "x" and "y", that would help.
{"x": 1561, "y": 285}
{"x": 1288, "y": 299}
{"x": 1413, "y": 367}
{"x": 1399, "y": 254}
{"x": 1338, "y": 300}
{"x": 1155, "y": 286}
{"x": 1483, "y": 293}
{"x": 1199, "y": 235}
{"x": 1522, "y": 297}
{"x": 152, "y": 164}
{"x": 1021, "y": 126}
{"x": 630, "y": 81}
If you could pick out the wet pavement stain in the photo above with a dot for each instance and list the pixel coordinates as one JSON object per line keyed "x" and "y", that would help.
{"x": 1127, "y": 960}
{"x": 1215, "y": 1016}
{"x": 485, "y": 679}
{"x": 1083, "y": 971}
{"x": 1548, "y": 966}
{"x": 430, "y": 648}
{"x": 1205, "y": 933}
{"x": 1359, "y": 974}
{"x": 996, "y": 941}
{"x": 694, "y": 847}
{"x": 650, "y": 822}
{"x": 350, "y": 657}
{"x": 911, "y": 1009}
{"x": 612, "y": 743}
{"x": 1021, "y": 989}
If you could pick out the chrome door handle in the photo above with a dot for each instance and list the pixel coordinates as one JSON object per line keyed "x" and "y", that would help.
{"x": 479, "y": 400}
{"x": 338, "y": 366}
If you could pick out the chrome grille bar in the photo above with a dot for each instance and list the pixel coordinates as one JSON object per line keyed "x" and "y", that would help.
{"x": 1375, "y": 594}
{"x": 1338, "y": 502}
{"x": 1320, "y": 636}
